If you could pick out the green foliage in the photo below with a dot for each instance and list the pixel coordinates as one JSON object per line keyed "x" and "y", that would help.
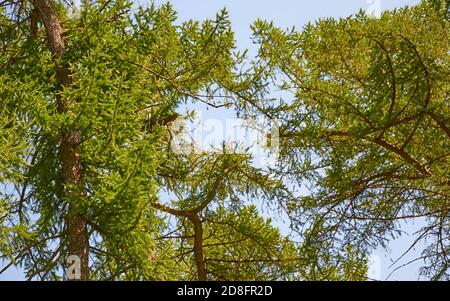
{"x": 364, "y": 123}
{"x": 243, "y": 245}
{"x": 129, "y": 71}
{"x": 366, "y": 126}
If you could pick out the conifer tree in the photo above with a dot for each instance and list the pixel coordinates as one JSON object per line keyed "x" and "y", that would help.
{"x": 366, "y": 126}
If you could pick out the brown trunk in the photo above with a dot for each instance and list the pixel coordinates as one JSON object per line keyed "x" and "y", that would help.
{"x": 78, "y": 243}
{"x": 77, "y": 234}
{"x": 34, "y": 17}
{"x": 193, "y": 217}
{"x": 198, "y": 247}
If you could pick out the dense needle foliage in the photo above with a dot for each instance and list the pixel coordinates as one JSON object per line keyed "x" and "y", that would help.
{"x": 366, "y": 126}
{"x": 88, "y": 168}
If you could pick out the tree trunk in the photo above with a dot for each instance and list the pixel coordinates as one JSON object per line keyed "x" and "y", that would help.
{"x": 72, "y": 173}
{"x": 198, "y": 247}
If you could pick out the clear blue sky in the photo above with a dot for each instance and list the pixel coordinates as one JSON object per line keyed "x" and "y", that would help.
{"x": 288, "y": 13}
{"x": 285, "y": 13}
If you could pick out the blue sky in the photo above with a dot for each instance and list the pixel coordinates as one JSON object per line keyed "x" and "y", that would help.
{"x": 288, "y": 13}
{"x": 284, "y": 13}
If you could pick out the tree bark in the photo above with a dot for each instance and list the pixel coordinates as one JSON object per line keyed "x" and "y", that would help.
{"x": 72, "y": 172}
{"x": 198, "y": 247}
